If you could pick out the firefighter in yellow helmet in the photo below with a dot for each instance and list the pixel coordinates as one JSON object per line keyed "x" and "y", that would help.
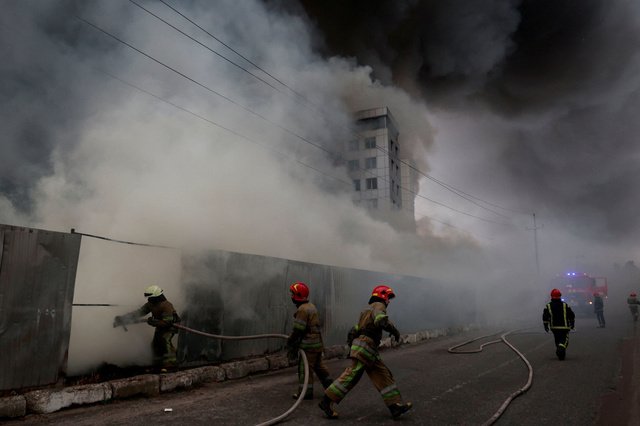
{"x": 306, "y": 336}
{"x": 163, "y": 316}
{"x": 364, "y": 339}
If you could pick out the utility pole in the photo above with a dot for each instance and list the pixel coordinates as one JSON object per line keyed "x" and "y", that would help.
{"x": 535, "y": 243}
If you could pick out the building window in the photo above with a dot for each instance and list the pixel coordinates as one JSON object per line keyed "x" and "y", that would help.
{"x": 370, "y": 163}
{"x": 372, "y": 183}
{"x": 354, "y": 145}
{"x": 369, "y": 143}
{"x": 353, "y": 165}
{"x": 356, "y": 184}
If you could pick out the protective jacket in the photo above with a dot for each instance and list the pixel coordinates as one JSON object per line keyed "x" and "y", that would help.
{"x": 306, "y": 333}
{"x": 163, "y": 314}
{"x": 633, "y": 304}
{"x": 558, "y": 315}
{"x": 364, "y": 337}
{"x": 598, "y": 304}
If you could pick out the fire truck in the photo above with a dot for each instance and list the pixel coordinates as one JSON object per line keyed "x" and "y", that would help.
{"x": 577, "y": 289}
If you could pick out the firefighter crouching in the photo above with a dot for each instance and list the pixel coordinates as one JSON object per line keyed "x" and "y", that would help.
{"x": 558, "y": 317}
{"x": 364, "y": 339}
{"x": 163, "y": 316}
{"x": 632, "y": 302}
{"x": 306, "y": 335}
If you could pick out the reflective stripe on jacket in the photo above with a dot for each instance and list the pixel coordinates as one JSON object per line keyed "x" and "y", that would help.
{"x": 558, "y": 315}
{"x": 306, "y": 328}
{"x": 367, "y": 333}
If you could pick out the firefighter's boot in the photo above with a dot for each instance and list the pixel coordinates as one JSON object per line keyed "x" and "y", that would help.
{"x": 561, "y": 352}
{"x": 326, "y": 405}
{"x": 399, "y": 409}
{"x": 307, "y": 395}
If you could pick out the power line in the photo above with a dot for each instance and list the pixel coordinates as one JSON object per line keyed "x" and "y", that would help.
{"x": 263, "y": 117}
{"x": 235, "y": 51}
{"x": 227, "y": 129}
{"x": 265, "y": 146}
{"x": 456, "y": 191}
{"x": 450, "y": 188}
{"x": 205, "y": 46}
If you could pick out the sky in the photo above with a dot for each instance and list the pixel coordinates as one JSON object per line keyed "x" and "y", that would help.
{"x": 117, "y": 122}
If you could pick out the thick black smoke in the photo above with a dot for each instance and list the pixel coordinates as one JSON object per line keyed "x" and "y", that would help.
{"x": 563, "y": 74}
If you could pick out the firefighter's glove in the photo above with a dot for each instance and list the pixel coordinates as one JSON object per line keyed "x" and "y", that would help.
{"x": 396, "y": 335}
{"x": 292, "y": 354}
{"x": 154, "y": 322}
{"x": 546, "y": 328}
{"x": 117, "y": 321}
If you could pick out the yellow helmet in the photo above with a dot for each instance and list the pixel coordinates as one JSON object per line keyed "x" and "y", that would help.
{"x": 152, "y": 291}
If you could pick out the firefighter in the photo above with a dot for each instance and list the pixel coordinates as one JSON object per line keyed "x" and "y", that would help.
{"x": 633, "y": 303}
{"x": 558, "y": 317}
{"x": 364, "y": 339}
{"x": 598, "y": 308}
{"x": 306, "y": 336}
{"x": 163, "y": 316}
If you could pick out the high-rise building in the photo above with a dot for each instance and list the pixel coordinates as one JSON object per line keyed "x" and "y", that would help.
{"x": 374, "y": 166}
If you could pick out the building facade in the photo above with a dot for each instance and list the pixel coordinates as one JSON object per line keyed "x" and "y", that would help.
{"x": 374, "y": 164}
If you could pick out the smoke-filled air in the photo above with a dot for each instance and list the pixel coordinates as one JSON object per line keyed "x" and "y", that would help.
{"x": 220, "y": 125}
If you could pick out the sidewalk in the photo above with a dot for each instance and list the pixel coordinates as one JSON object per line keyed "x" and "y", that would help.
{"x": 622, "y": 406}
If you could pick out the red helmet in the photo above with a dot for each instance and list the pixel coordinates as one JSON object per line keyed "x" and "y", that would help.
{"x": 383, "y": 292}
{"x": 299, "y": 292}
{"x": 632, "y": 295}
{"x": 555, "y": 293}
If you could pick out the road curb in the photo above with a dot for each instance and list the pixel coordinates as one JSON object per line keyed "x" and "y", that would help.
{"x": 46, "y": 401}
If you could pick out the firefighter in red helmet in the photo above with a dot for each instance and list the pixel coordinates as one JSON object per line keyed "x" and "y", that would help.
{"x": 364, "y": 339}
{"x": 306, "y": 336}
{"x": 558, "y": 317}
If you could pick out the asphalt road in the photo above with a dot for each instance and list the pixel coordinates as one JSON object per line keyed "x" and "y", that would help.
{"x": 446, "y": 389}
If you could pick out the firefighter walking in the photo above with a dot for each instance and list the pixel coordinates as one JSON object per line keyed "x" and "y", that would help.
{"x": 632, "y": 302}
{"x": 558, "y": 317}
{"x": 163, "y": 316}
{"x": 364, "y": 340}
{"x": 306, "y": 335}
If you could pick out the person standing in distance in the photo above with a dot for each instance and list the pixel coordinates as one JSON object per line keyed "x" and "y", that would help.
{"x": 306, "y": 336}
{"x": 364, "y": 340}
{"x": 598, "y": 308}
{"x": 558, "y": 317}
{"x": 632, "y": 302}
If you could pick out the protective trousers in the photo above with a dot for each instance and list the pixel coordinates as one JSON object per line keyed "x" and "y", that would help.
{"x": 379, "y": 374}
{"x": 316, "y": 365}
{"x": 634, "y": 311}
{"x": 561, "y": 336}
{"x": 164, "y": 353}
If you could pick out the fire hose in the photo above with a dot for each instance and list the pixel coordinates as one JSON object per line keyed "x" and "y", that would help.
{"x": 263, "y": 336}
{"x": 502, "y": 339}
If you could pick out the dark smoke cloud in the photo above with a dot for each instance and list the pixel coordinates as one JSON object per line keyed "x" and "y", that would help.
{"x": 562, "y": 75}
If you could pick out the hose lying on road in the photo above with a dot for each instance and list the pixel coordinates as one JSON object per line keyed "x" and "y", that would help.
{"x": 303, "y": 391}
{"x": 515, "y": 394}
